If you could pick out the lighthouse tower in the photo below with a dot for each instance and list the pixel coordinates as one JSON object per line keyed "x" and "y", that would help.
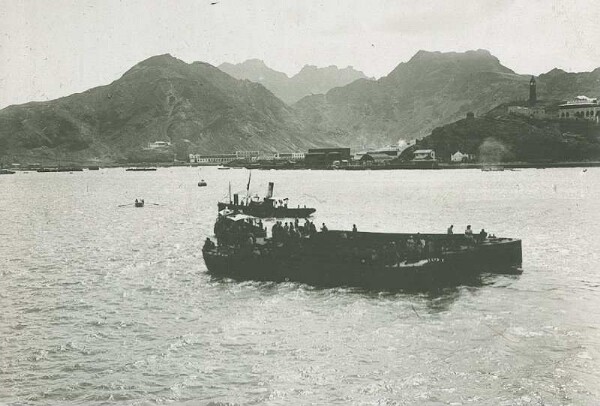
{"x": 532, "y": 92}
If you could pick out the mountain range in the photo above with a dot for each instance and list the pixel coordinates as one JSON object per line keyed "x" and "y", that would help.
{"x": 200, "y": 108}
{"x": 194, "y": 106}
{"x": 430, "y": 90}
{"x": 310, "y": 80}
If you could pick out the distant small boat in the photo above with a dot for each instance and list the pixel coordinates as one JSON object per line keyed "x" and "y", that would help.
{"x": 139, "y": 203}
{"x": 202, "y": 183}
{"x": 6, "y": 172}
{"x": 223, "y": 167}
{"x": 93, "y": 168}
{"x": 60, "y": 169}
{"x": 140, "y": 169}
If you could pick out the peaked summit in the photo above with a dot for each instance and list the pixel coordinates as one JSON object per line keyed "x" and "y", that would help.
{"x": 195, "y": 107}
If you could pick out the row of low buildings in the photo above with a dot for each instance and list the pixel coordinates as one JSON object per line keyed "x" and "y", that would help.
{"x": 324, "y": 157}
{"x": 250, "y": 156}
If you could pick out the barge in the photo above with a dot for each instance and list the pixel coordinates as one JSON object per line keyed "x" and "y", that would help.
{"x": 380, "y": 261}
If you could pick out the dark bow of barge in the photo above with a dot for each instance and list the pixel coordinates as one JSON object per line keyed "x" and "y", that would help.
{"x": 380, "y": 261}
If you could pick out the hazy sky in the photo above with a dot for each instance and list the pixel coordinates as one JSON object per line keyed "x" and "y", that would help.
{"x": 52, "y": 48}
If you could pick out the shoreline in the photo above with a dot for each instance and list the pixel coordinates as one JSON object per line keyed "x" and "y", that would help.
{"x": 405, "y": 166}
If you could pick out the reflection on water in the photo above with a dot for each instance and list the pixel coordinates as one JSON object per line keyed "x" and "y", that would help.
{"x": 105, "y": 304}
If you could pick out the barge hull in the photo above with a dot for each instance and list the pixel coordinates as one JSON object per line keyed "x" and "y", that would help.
{"x": 320, "y": 265}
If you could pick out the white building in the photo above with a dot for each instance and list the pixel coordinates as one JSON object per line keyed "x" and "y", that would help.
{"x": 460, "y": 157}
{"x": 390, "y": 150}
{"x": 581, "y": 107}
{"x": 273, "y": 156}
{"x": 215, "y": 159}
{"x": 249, "y": 155}
{"x": 294, "y": 156}
{"x": 159, "y": 144}
{"x": 267, "y": 156}
{"x": 424, "y": 155}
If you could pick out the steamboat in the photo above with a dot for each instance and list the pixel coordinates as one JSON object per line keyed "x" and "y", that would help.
{"x": 269, "y": 207}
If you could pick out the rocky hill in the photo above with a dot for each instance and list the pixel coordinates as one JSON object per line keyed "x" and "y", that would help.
{"x": 310, "y": 80}
{"x": 194, "y": 106}
{"x": 199, "y": 108}
{"x": 430, "y": 90}
{"x": 500, "y": 137}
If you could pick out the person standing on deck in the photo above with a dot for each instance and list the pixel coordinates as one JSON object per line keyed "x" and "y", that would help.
{"x": 469, "y": 235}
{"x": 451, "y": 229}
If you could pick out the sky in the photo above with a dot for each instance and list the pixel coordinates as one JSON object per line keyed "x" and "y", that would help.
{"x": 53, "y": 48}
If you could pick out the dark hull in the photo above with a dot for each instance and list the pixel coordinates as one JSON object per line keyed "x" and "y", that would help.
{"x": 66, "y": 169}
{"x": 266, "y": 211}
{"x": 321, "y": 264}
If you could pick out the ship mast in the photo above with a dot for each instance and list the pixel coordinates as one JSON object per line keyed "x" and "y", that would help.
{"x": 248, "y": 189}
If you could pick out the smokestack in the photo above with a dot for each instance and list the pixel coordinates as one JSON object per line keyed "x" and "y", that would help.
{"x": 270, "y": 191}
{"x": 235, "y": 199}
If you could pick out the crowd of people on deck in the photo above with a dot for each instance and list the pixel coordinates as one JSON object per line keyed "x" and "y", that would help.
{"x": 281, "y": 232}
{"x": 471, "y": 237}
{"x": 238, "y": 232}
{"x": 412, "y": 248}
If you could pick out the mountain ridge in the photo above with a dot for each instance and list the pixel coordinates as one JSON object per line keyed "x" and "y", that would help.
{"x": 161, "y": 98}
{"x": 309, "y": 80}
{"x": 429, "y": 90}
{"x": 199, "y": 108}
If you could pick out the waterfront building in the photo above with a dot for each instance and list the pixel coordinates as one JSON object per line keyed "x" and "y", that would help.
{"x": 424, "y": 155}
{"x": 248, "y": 155}
{"x": 214, "y": 159}
{"x": 326, "y": 156}
{"x": 581, "y": 107}
{"x": 267, "y": 156}
{"x": 458, "y": 157}
{"x": 391, "y": 150}
{"x": 290, "y": 156}
{"x": 376, "y": 158}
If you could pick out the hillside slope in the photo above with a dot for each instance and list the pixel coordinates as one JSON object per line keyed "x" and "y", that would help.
{"x": 194, "y": 106}
{"x": 500, "y": 137}
{"x": 430, "y": 90}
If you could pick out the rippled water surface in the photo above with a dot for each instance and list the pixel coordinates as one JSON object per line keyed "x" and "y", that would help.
{"x": 102, "y": 304}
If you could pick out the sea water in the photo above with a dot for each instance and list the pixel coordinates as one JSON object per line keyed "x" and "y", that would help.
{"x": 103, "y": 303}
